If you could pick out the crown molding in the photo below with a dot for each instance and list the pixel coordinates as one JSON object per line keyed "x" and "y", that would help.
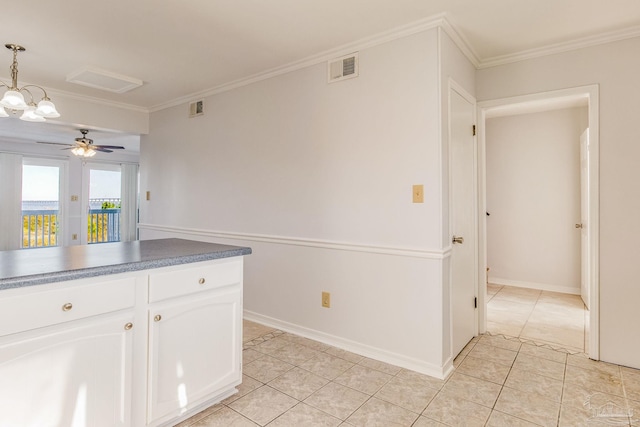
{"x": 436, "y": 21}
{"x": 100, "y": 101}
{"x": 595, "y": 40}
{"x": 422, "y": 25}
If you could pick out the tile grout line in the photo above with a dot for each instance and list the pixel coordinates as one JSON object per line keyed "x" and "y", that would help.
{"x": 530, "y": 314}
{"x": 330, "y": 381}
{"x": 502, "y": 386}
{"x": 564, "y": 379}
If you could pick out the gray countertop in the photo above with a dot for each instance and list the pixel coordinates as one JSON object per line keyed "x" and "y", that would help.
{"x": 28, "y": 267}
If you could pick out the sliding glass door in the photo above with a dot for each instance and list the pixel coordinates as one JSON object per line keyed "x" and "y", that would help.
{"x": 42, "y": 202}
{"x": 110, "y": 198}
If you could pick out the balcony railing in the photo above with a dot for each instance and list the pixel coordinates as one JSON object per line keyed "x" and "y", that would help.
{"x": 104, "y": 225}
{"x": 40, "y": 223}
{"x": 39, "y": 228}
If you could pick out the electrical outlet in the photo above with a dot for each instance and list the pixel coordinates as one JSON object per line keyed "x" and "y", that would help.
{"x": 418, "y": 193}
{"x": 326, "y": 300}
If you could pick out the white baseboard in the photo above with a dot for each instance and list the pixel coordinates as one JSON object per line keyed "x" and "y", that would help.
{"x": 532, "y": 285}
{"x": 440, "y": 372}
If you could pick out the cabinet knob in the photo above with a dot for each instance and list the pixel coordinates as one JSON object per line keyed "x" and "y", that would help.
{"x": 128, "y": 326}
{"x": 67, "y": 307}
{"x": 201, "y": 281}
{"x": 157, "y": 318}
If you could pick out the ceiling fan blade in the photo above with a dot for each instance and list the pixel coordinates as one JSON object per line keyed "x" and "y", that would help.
{"x": 103, "y": 150}
{"x": 53, "y": 143}
{"x": 111, "y": 147}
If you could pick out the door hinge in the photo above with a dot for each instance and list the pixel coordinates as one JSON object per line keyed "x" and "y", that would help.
{"x": 474, "y": 130}
{"x": 475, "y": 302}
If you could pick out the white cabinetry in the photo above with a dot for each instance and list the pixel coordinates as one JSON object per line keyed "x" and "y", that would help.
{"x": 74, "y": 369}
{"x": 195, "y": 337}
{"x": 134, "y": 349}
{"x": 193, "y": 355}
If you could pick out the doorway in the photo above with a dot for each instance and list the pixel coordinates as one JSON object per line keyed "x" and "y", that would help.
{"x": 539, "y": 102}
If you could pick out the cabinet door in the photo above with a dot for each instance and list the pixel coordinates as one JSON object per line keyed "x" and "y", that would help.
{"x": 195, "y": 351}
{"x": 72, "y": 375}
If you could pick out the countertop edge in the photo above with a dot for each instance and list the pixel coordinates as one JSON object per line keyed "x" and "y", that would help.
{"x": 61, "y": 276}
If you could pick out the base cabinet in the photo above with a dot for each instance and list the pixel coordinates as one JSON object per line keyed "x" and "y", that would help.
{"x": 194, "y": 354}
{"x": 71, "y": 375}
{"x": 137, "y": 349}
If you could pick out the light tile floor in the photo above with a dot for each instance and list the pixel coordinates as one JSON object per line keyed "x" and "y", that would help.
{"x": 296, "y": 382}
{"x": 558, "y": 321}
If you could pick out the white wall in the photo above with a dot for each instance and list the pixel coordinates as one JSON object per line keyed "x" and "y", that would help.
{"x": 533, "y": 195}
{"x": 295, "y": 156}
{"x": 614, "y": 67}
{"x": 317, "y": 179}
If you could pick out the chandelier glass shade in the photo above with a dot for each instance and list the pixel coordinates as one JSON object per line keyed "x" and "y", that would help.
{"x": 14, "y": 98}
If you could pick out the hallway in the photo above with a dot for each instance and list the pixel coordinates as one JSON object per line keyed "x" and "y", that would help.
{"x": 551, "y": 319}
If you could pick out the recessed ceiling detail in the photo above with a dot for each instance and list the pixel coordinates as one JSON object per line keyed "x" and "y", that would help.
{"x": 104, "y": 80}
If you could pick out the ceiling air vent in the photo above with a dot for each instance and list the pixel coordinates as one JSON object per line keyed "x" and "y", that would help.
{"x": 196, "y": 108}
{"x": 104, "y": 80}
{"x": 343, "y": 68}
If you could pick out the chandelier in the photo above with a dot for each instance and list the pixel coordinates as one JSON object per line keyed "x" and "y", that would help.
{"x": 13, "y": 98}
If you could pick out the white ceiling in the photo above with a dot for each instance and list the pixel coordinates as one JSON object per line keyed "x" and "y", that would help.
{"x": 180, "y": 48}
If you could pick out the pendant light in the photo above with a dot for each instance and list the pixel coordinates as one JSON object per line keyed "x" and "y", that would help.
{"x": 13, "y": 98}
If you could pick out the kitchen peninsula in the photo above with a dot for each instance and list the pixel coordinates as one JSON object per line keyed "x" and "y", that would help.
{"x": 140, "y": 333}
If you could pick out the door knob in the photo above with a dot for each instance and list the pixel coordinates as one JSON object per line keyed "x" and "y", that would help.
{"x": 578, "y": 225}
{"x": 459, "y": 240}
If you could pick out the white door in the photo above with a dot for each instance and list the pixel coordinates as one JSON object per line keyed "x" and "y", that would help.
{"x": 463, "y": 221}
{"x": 584, "y": 214}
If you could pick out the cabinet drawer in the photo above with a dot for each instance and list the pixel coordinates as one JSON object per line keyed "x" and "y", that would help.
{"x": 195, "y": 278}
{"x": 62, "y": 303}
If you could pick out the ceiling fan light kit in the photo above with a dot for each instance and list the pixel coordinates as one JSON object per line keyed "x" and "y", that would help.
{"x": 83, "y": 151}
{"x": 13, "y": 98}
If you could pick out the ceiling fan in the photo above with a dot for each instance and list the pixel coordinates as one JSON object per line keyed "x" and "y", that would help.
{"x": 84, "y": 146}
